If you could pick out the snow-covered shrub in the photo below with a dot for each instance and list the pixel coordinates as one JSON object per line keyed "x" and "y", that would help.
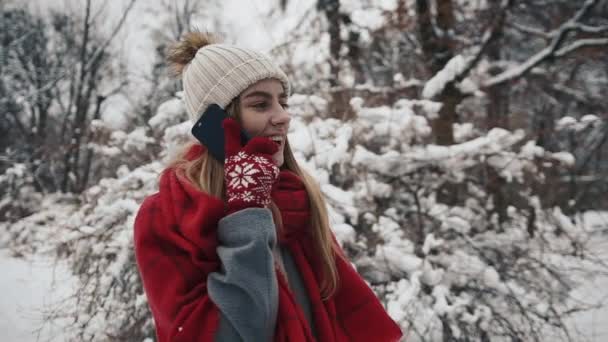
{"x": 457, "y": 240}
{"x": 93, "y": 231}
{"x": 97, "y": 242}
{"x": 18, "y": 197}
{"x": 114, "y": 148}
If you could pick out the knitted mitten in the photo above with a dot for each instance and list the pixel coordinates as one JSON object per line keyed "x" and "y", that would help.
{"x": 249, "y": 171}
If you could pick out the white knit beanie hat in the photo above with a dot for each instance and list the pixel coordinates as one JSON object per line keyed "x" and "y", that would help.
{"x": 218, "y": 73}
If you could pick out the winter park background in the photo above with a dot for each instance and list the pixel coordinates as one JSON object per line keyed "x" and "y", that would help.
{"x": 461, "y": 144}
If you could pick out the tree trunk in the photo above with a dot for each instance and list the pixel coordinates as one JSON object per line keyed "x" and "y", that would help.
{"x": 89, "y": 157}
{"x": 438, "y": 51}
{"x": 497, "y": 109}
{"x": 443, "y": 126}
{"x": 339, "y": 106}
{"x": 332, "y": 12}
{"x": 70, "y": 160}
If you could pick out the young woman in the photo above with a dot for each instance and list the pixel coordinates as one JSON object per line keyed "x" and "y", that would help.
{"x": 241, "y": 249}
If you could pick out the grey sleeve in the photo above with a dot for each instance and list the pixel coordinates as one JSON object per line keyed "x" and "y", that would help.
{"x": 245, "y": 289}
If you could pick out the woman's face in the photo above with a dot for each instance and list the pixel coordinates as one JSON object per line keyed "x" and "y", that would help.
{"x": 263, "y": 109}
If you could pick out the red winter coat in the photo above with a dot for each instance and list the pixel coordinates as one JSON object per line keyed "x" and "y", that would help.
{"x": 175, "y": 247}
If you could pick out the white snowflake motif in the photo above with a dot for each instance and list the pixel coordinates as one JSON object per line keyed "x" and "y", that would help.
{"x": 241, "y": 175}
{"x": 247, "y": 196}
{"x": 260, "y": 159}
{"x": 237, "y": 157}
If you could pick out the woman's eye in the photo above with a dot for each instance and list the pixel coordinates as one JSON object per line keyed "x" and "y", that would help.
{"x": 264, "y": 105}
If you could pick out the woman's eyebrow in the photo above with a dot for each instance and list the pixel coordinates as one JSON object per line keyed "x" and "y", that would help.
{"x": 264, "y": 94}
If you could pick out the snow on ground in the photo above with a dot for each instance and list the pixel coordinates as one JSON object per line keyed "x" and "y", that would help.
{"x": 593, "y": 324}
{"x": 28, "y": 288}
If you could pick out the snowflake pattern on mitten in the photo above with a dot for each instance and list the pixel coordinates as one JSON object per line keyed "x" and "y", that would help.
{"x": 249, "y": 179}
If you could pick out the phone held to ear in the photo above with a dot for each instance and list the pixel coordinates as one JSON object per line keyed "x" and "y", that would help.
{"x": 209, "y": 131}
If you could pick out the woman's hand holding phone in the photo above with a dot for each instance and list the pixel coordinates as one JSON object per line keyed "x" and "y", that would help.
{"x": 249, "y": 171}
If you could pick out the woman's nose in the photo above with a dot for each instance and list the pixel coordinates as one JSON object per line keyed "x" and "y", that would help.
{"x": 281, "y": 117}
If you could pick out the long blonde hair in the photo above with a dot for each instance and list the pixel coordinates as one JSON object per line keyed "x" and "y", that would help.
{"x": 207, "y": 174}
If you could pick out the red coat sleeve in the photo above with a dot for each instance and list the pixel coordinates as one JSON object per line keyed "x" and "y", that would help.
{"x": 174, "y": 259}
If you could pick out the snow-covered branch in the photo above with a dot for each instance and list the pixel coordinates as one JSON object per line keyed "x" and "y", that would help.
{"x": 520, "y": 70}
{"x": 456, "y": 67}
{"x": 460, "y": 66}
{"x": 555, "y": 47}
{"x": 581, "y": 44}
{"x": 530, "y": 30}
{"x": 591, "y": 29}
{"x": 587, "y": 6}
{"x": 103, "y": 47}
{"x": 488, "y": 36}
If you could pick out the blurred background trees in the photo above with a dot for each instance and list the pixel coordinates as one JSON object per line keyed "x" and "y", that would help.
{"x": 509, "y": 64}
{"x": 56, "y": 72}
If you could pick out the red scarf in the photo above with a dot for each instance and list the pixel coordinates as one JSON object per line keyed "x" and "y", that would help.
{"x": 175, "y": 247}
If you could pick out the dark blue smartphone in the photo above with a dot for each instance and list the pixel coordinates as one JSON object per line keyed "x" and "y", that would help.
{"x": 209, "y": 131}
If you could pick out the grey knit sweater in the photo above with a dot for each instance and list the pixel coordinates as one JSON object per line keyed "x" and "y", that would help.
{"x": 246, "y": 289}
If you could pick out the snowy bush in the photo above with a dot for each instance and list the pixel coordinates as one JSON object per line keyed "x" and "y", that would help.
{"x": 18, "y": 198}
{"x": 457, "y": 240}
{"x": 93, "y": 233}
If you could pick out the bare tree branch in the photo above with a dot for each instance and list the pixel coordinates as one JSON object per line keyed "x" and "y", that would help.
{"x": 488, "y": 36}
{"x": 530, "y": 30}
{"x": 102, "y": 48}
{"x": 96, "y": 54}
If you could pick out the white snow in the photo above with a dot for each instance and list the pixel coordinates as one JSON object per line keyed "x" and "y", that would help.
{"x": 137, "y": 140}
{"x": 169, "y": 113}
{"x": 344, "y": 232}
{"x": 565, "y": 122}
{"x": 430, "y": 243}
{"x": 593, "y": 324}
{"x": 564, "y": 157}
{"x": 452, "y": 69}
{"x": 29, "y": 288}
{"x": 570, "y": 123}
{"x": 370, "y": 18}
{"x": 463, "y": 131}
{"x": 590, "y": 118}
{"x": 398, "y": 260}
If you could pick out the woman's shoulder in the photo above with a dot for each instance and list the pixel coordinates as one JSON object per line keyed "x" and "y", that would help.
{"x": 148, "y": 214}
{"x": 178, "y": 207}
{"x": 149, "y": 203}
